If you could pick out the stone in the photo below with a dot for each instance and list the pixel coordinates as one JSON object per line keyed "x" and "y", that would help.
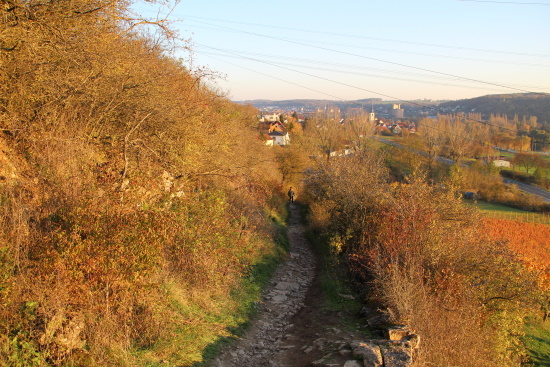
{"x": 378, "y": 321}
{"x": 353, "y": 363}
{"x": 370, "y": 353}
{"x": 318, "y": 363}
{"x": 288, "y": 347}
{"x": 397, "y": 332}
{"x": 319, "y": 342}
{"x": 414, "y": 340}
{"x": 366, "y": 311}
{"x": 287, "y": 286}
{"x": 396, "y": 357}
{"x": 279, "y": 298}
{"x": 345, "y": 352}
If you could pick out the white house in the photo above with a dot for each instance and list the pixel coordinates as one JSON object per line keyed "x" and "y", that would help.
{"x": 270, "y": 118}
{"x": 501, "y": 163}
{"x": 279, "y": 138}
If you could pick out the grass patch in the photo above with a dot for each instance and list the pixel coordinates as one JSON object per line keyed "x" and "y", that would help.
{"x": 537, "y": 341}
{"x": 334, "y": 278}
{"x": 247, "y": 296}
{"x": 201, "y": 320}
{"x": 487, "y": 207}
{"x": 334, "y": 286}
{"x": 500, "y": 211}
{"x": 506, "y": 154}
{"x": 335, "y": 282}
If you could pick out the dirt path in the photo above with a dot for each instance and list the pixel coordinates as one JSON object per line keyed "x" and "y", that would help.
{"x": 292, "y": 328}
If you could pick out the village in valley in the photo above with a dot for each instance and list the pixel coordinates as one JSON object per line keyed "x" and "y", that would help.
{"x": 279, "y": 123}
{"x": 276, "y": 126}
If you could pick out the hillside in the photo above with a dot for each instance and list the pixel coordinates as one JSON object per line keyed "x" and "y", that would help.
{"x": 527, "y": 104}
{"x": 131, "y": 217}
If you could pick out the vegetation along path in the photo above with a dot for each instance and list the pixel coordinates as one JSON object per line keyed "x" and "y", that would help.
{"x": 292, "y": 327}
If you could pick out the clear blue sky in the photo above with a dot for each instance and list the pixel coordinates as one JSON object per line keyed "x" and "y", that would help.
{"x": 391, "y": 49}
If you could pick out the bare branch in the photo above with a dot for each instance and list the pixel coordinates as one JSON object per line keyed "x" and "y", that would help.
{"x": 87, "y": 11}
{"x": 126, "y": 144}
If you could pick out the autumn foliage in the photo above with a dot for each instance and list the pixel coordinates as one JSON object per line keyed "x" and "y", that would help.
{"x": 530, "y": 241}
{"x": 418, "y": 250}
{"x": 123, "y": 192}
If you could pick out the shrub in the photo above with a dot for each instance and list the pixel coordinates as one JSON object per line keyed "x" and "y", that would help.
{"x": 416, "y": 248}
{"x": 518, "y": 176}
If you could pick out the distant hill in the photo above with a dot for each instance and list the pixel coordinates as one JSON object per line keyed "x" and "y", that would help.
{"x": 522, "y": 104}
{"x": 312, "y": 104}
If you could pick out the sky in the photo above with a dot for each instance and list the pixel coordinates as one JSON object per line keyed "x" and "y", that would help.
{"x": 349, "y": 50}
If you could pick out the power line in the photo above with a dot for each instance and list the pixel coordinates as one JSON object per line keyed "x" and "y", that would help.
{"x": 342, "y": 71}
{"x": 505, "y": 2}
{"x": 491, "y": 51}
{"x": 348, "y": 69}
{"x": 434, "y": 55}
{"x": 271, "y": 76}
{"x": 308, "y": 74}
{"x": 380, "y": 60}
{"x": 344, "y": 100}
{"x": 351, "y": 86}
{"x": 399, "y": 51}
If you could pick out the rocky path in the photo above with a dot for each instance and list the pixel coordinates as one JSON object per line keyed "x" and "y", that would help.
{"x": 282, "y": 300}
{"x": 294, "y": 329}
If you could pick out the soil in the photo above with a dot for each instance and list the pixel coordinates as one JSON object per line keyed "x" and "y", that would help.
{"x": 312, "y": 323}
{"x": 294, "y": 328}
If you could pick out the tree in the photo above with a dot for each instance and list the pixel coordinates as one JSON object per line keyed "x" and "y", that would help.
{"x": 294, "y": 126}
{"x": 433, "y": 138}
{"x": 503, "y": 140}
{"x": 326, "y": 133}
{"x": 358, "y": 130}
{"x": 458, "y": 136}
{"x": 292, "y": 162}
{"x": 527, "y": 161}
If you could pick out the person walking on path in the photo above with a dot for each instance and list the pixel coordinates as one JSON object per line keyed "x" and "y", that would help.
{"x": 291, "y": 194}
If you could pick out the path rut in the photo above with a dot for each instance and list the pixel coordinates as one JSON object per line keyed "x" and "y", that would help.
{"x": 282, "y": 300}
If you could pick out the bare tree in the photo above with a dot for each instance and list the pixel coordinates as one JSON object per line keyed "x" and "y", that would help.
{"x": 433, "y": 139}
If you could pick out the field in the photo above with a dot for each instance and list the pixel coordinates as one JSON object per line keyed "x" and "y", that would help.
{"x": 532, "y": 243}
{"x": 499, "y": 211}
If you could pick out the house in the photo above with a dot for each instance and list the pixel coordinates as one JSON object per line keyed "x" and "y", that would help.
{"x": 274, "y": 117}
{"x": 341, "y": 153}
{"x": 279, "y": 138}
{"x": 396, "y": 129}
{"x": 501, "y": 163}
{"x": 277, "y": 126}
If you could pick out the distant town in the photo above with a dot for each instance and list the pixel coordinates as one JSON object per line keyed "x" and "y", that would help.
{"x": 382, "y": 109}
{"x": 521, "y": 104}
